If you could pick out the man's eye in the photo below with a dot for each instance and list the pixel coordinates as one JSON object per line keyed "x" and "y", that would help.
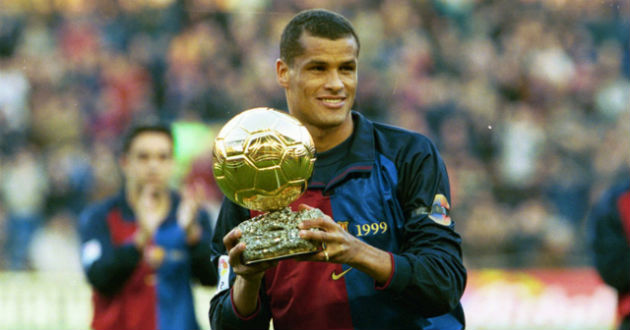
{"x": 347, "y": 68}
{"x": 143, "y": 156}
{"x": 317, "y": 68}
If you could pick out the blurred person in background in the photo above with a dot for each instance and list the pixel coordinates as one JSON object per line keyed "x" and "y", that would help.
{"x": 24, "y": 188}
{"x": 609, "y": 240}
{"x": 54, "y": 246}
{"x": 14, "y": 99}
{"x": 141, "y": 248}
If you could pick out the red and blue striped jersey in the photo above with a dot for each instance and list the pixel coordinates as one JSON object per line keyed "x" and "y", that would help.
{"x": 391, "y": 190}
{"x": 609, "y": 240}
{"x": 128, "y": 293}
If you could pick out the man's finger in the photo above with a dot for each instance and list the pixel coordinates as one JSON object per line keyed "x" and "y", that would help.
{"x": 302, "y": 207}
{"x": 231, "y": 239}
{"x": 234, "y": 256}
{"x": 315, "y": 235}
{"x": 325, "y": 223}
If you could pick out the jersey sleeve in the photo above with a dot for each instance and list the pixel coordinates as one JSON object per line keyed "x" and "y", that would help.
{"x": 106, "y": 266}
{"x": 229, "y": 217}
{"x": 428, "y": 269}
{"x": 609, "y": 245}
{"x": 200, "y": 253}
{"x": 222, "y": 313}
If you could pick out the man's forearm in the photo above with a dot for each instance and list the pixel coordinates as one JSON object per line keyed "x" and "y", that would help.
{"x": 245, "y": 294}
{"x": 374, "y": 262}
{"x": 108, "y": 276}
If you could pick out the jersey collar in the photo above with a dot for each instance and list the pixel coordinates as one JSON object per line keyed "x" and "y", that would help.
{"x": 361, "y": 155}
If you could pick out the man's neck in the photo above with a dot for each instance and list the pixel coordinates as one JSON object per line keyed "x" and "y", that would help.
{"x": 328, "y": 138}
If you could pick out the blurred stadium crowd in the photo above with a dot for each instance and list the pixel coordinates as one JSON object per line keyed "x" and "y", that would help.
{"x": 528, "y": 101}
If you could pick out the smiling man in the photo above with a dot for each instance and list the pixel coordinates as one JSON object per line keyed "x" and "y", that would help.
{"x": 392, "y": 258}
{"x": 320, "y": 84}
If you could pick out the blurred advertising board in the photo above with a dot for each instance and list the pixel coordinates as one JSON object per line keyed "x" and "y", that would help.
{"x": 61, "y": 301}
{"x": 538, "y": 299}
{"x": 494, "y": 299}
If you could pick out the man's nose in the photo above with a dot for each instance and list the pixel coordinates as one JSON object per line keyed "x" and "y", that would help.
{"x": 154, "y": 162}
{"x": 333, "y": 81}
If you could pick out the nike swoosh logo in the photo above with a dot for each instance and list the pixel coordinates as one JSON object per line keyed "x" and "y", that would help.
{"x": 340, "y": 275}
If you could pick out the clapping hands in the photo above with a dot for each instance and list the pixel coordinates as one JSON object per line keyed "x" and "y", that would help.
{"x": 193, "y": 196}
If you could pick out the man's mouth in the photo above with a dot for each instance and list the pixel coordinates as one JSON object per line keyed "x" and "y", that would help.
{"x": 332, "y": 102}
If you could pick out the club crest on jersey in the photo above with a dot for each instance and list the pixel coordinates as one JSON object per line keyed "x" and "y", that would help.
{"x": 440, "y": 210}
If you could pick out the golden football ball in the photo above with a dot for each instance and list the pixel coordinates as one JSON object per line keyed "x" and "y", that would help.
{"x": 263, "y": 159}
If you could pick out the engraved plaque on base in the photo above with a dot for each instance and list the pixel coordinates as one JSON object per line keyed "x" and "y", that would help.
{"x": 263, "y": 159}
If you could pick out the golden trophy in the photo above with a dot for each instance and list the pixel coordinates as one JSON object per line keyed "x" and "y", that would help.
{"x": 263, "y": 159}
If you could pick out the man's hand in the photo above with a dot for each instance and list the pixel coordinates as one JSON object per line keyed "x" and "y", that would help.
{"x": 339, "y": 245}
{"x": 343, "y": 248}
{"x": 150, "y": 210}
{"x": 248, "y": 277}
{"x": 235, "y": 251}
{"x": 192, "y": 197}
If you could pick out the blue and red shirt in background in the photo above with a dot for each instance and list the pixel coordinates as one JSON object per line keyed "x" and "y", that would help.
{"x": 128, "y": 292}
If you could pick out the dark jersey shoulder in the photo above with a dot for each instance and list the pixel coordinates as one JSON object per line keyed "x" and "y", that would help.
{"x": 419, "y": 169}
{"x": 96, "y": 212}
{"x": 399, "y": 144}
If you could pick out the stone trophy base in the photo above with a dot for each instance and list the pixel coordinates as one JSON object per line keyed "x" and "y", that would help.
{"x": 274, "y": 235}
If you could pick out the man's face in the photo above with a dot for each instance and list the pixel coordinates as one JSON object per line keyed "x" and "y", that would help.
{"x": 321, "y": 83}
{"x": 149, "y": 160}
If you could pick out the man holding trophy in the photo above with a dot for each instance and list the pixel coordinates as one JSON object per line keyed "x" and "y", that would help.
{"x": 384, "y": 252}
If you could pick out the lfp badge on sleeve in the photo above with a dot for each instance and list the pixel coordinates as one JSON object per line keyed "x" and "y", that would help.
{"x": 224, "y": 274}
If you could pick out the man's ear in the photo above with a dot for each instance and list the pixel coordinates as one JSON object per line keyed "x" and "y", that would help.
{"x": 282, "y": 73}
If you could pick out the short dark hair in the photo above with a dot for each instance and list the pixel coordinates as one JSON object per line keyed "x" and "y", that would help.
{"x": 317, "y": 22}
{"x": 138, "y": 129}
